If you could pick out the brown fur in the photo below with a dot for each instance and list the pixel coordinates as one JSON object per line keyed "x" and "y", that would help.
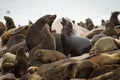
{"x": 85, "y": 68}
{"x": 110, "y": 30}
{"x": 48, "y": 40}
{"x": 7, "y": 62}
{"x": 32, "y": 69}
{"x": 47, "y": 43}
{"x": 32, "y": 57}
{"x": 59, "y": 70}
{"x": 21, "y": 64}
{"x": 94, "y": 32}
{"x": 15, "y": 39}
{"x": 8, "y": 76}
{"x": 95, "y": 38}
{"x": 7, "y": 67}
{"x": 103, "y": 45}
{"x": 6, "y": 36}
{"x": 21, "y": 30}
{"x": 48, "y": 56}
{"x": 13, "y": 49}
{"x": 117, "y": 30}
{"x": 114, "y": 18}
{"x": 81, "y": 24}
{"x": 35, "y": 31}
{"x": 9, "y": 22}
{"x": 107, "y": 58}
{"x": 35, "y": 77}
{"x": 66, "y": 69}
{"x": 89, "y": 24}
{"x": 2, "y": 28}
{"x": 112, "y": 75}
{"x": 103, "y": 69}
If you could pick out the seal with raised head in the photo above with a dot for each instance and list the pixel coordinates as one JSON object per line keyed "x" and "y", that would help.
{"x": 73, "y": 44}
{"x": 114, "y": 18}
{"x": 89, "y": 24}
{"x": 110, "y": 30}
{"x": 21, "y": 64}
{"x": 35, "y": 29}
{"x": 9, "y": 22}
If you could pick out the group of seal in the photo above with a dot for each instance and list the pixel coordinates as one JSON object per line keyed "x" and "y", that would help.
{"x": 36, "y": 52}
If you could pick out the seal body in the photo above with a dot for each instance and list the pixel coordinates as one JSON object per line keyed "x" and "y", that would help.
{"x": 35, "y": 29}
{"x": 73, "y": 44}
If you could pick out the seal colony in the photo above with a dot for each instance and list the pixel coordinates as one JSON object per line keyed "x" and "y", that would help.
{"x": 36, "y": 51}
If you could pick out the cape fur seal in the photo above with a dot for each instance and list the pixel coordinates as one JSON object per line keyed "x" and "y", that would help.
{"x": 35, "y": 29}
{"x": 114, "y": 18}
{"x": 9, "y": 22}
{"x": 73, "y": 44}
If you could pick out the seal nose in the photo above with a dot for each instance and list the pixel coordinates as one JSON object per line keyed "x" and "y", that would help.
{"x": 53, "y": 16}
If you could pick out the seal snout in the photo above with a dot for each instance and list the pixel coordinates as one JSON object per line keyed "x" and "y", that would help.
{"x": 5, "y": 17}
{"x": 53, "y": 17}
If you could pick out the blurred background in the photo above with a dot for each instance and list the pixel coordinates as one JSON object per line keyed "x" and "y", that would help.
{"x": 23, "y": 10}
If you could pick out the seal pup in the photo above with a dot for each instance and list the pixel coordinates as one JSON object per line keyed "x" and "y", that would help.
{"x": 21, "y": 63}
{"x": 48, "y": 56}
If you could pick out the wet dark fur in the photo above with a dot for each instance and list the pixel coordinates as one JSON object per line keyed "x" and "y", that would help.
{"x": 72, "y": 43}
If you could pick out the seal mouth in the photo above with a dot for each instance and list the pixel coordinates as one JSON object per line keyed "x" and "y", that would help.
{"x": 52, "y": 18}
